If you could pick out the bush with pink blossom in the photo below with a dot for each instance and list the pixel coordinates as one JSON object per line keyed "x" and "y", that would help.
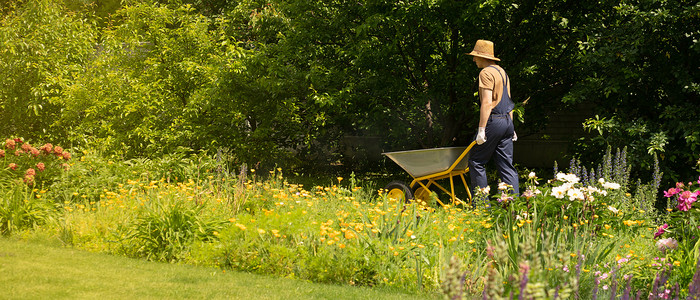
{"x": 26, "y": 164}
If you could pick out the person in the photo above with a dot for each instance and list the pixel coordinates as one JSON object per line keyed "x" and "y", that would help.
{"x": 496, "y": 133}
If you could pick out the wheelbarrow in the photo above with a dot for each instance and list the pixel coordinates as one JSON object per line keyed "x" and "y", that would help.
{"x": 426, "y": 166}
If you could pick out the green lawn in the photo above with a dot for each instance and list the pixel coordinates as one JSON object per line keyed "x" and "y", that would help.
{"x": 32, "y": 270}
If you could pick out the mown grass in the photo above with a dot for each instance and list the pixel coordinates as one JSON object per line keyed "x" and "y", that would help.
{"x": 33, "y": 270}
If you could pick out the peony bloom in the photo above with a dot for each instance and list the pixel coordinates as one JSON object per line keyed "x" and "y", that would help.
{"x": 12, "y": 166}
{"x": 29, "y": 179}
{"x": 666, "y": 244}
{"x": 10, "y": 144}
{"x": 47, "y": 148}
{"x": 570, "y": 178}
{"x": 40, "y": 166}
{"x": 686, "y": 200}
{"x": 611, "y": 185}
{"x": 574, "y": 194}
{"x": 559, "y": 192}
{"x": 661, "y": 230}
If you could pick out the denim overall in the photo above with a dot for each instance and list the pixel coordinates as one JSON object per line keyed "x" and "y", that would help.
{"x": 499, "y": 140}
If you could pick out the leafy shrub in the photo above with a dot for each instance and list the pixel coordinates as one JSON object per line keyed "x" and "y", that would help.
{"x": 164, "y": 231}
{"x": 22, "y": 208}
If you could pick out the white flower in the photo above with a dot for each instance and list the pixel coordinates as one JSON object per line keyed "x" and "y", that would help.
{"x": 614, "y": 210}
{"x": 601, "y": 181}
{"x": 611, "y": 185}
{"x": 531, "y": 175}
{"x": 575, "y": 194}
{"x": 502, "y": 186}
{"x": 485, "y": 190}
{"x": 571, "y": 178}
{"x": 559, "y": 192}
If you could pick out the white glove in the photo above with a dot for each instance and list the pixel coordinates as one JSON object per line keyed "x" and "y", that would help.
{"x": 515, "y": 136}
{"x": 481, "y": 136}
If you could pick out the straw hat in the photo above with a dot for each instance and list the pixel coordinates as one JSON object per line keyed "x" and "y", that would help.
{"x": 484, "y": 48}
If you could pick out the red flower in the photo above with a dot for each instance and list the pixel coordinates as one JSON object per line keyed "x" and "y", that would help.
{"x": 10, "y": 144}
{"x": 40, "y": 166}
{"x": 13, "y": 166}
{"x": 66, "y": 155}
{"x": 30, "y": 172}
{"x": 18, "y": 140}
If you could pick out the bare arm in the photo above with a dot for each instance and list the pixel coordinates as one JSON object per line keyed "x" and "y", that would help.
{"x": 486, "y": 97}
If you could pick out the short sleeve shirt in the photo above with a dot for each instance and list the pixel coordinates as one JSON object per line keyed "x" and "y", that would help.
{"x": 490, "y": 79}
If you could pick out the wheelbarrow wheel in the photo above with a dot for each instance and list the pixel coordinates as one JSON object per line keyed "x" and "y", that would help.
{"x": 422, "y": 194}
{"x": 398, "y": 190}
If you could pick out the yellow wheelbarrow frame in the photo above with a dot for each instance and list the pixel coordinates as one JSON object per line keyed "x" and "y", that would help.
{"x": 425, "y": 177}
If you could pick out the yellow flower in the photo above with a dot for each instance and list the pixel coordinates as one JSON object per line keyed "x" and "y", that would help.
{"x": 470, "y": 241}
{"x": 607, "y": 226}
{"x": 341, "y": 246}
{"x": 396, "y": 253}
{"x": 241, "y": 226}
{"x": 349, "y": 234}
{"x": 340, "y": 179}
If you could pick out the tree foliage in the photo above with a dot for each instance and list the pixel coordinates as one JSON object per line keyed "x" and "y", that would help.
{"x": 289, "y": 78}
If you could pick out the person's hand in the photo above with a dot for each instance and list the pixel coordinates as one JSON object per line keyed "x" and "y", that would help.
{"x": 481, "y": 136}
{"x": 515, "y": 136}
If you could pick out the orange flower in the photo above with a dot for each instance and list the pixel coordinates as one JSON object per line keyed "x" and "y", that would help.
{"x": 40, "y": 166}
{"x": 30, "y": 172}
{"x": 10, "y": 144}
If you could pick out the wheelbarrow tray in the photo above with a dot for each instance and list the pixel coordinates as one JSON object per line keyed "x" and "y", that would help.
{"x": 424, "y": 162}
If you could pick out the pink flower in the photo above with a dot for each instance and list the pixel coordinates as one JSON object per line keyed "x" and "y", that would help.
{"x": 698, "y": 179}
{"x": 10, "y": 144}
{"x": 47, "y": 148}
{"x": 58, "y": 150}
{"x": 35, "y": 152}
{"x": 30, "y": 172}
{"x": 40, "y": 166}
{"x": 661, "y": 230}
{"x": 2, "y": 153}
{"x": 12, "y": 166}
{"x": 686, "y": 200}
{"x": 672, "y": 192}
{"x": 66, "y": 155}
{"x": 29, "y": 179}
{"x": 26, "y": 147}
{"x": 666, "y": 244}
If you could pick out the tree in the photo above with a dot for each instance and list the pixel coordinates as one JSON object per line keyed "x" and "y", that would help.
{"x": 43, "y": 46}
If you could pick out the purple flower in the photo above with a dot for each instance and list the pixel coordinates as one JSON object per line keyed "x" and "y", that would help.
{"x": 661, "y": 230}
